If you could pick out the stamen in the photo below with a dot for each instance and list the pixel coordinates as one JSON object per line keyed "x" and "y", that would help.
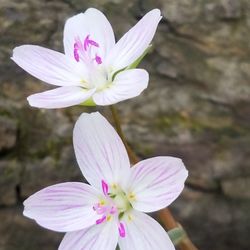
{"x": 85, "y": 44}
{"x": 105, "y": 187}
{"x": 88, "y": 42}
{"x": 121, "y": 229}
{"x": 82, "y": 50}
{"x": 109, "y": 217}
{"x": 93, "y": 43}
{"x": 76, "y": 45}
{"x": 99, "y": 221}
{"x": 131, "y": 196}
{"x": 113, "y": 210}
{"x": 98, "y": 59}
{"x": 99, "y": 209}
{"x": 76, "y": 54}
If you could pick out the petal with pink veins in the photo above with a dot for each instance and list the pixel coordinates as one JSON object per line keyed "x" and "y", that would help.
{"x": 60, "y": 97}
{"x": 99, "y": 237}
{"x": 143, "y": 232}
{"x": 156, "y": 182}
{"x": 132, "y": 45}
{"x": 63, "y": 207}
{"x": 49, "y": 66}
{"x": 92, "y": 23}
{"x": 127, "y": 84}
{"x": 99, "y": 151}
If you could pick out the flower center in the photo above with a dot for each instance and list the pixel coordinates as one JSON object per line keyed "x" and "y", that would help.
{"x": 113, "y": 206}
{"x": 86, "y": 50}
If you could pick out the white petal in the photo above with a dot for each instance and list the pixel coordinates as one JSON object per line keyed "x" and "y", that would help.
{"x": 143, "y": 232}
{"x": 99, "y": 150}
{"x": 99, "y": 237}
{"x": 134, "y": 42}
{"x": 49, "y": 66}
{"x": 127, "y": 84}
{"x": 63, "y": 207}
{"x": 60, "y": 97}
{"x": 92, "y": 22}
{"x": 156, "y": 182}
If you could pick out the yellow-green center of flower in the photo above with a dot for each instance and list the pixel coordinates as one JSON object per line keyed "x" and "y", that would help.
{"x": 114, "y": 205}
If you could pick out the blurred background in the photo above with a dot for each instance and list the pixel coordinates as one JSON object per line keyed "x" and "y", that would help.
{"x": 197, "y": 107}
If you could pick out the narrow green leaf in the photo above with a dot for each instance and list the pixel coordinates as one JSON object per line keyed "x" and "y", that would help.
{"x": 137, "y": 61}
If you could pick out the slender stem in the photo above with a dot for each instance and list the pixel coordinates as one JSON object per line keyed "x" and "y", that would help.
{"x": 133, "y": 158}
{"x": 164, "y": 215}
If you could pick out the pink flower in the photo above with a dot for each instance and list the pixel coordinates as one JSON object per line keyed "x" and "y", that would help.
{"x": 94, "y": 69}
{"x": 110, "y": 210}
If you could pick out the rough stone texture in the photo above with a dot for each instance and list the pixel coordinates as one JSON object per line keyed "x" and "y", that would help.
{"x": 237, "y": 188}
{"x": 9, "y": 180}
{"x": 8, "y": 131}
{"x": 196, "y": 107}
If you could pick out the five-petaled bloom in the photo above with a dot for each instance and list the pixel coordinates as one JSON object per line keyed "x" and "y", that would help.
{"x": 110, "y": 211}
{"x": 94, "y": 69}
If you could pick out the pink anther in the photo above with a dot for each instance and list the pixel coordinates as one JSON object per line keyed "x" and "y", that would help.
{"x": 121, "y": 229}
{"x": 82, "y": 50}
{"x": 76, "y": 54}
{"x": 98, "y": 59}
{"x": 99, "y": 221}
{"x": 88, "y": 42}
{"x": 105, "y": 187}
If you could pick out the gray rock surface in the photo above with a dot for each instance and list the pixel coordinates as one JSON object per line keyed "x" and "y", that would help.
{"x": 196, "y": 107}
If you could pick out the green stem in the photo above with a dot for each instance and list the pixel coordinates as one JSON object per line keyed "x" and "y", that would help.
{"x": 133, "y": 158}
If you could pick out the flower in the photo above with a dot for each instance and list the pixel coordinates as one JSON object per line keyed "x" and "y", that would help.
{"x": 111, "y": 210}
{"x": 94, "y": 69}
